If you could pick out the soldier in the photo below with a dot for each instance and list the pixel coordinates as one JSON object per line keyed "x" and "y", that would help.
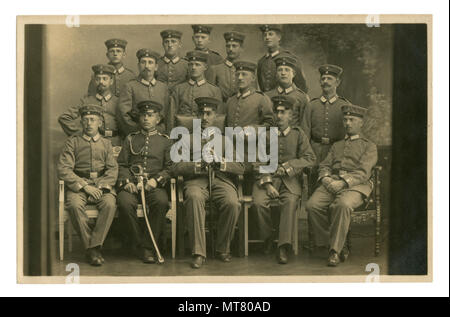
{"x": 144, "y": 87}
{"x": 89, "y": 170}
{"x": 294, "y": 154}
{"x": 104, "y": 81}
{"x": 184, "y": 94}
{"x": 344, "y": 177}
{"x": 223, "y": 74}
{"x": 201, "y": 41}
{"x": 322, "y": 120}
{"x": 248, "y": 107}
{"x": 115, "y": 54}
{"x": 150, "y": 150}
{"x": 172, "y": 69}
{"x": 266, "y": 65}
{"x": 224, "y": 193}
{"x": 286, "y": 71}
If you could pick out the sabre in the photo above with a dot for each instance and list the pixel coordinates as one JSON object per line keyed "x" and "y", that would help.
{"x": 138, "y": 172}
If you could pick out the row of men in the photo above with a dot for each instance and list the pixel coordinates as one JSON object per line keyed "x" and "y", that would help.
{"x": 91, "y": 173}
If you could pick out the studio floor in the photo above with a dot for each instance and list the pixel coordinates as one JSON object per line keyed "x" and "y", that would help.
{"x": 118, "y": 262}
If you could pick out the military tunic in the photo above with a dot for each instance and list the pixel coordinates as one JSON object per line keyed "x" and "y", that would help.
{"x": 71, "y": 123}
{"x": 139, "y": 90}
{"x": 150, "y": 150}
{"x": 322, "y": 123}
{"x": 89, "y": 161}
{"x": 224, "y": 197}
{"x": 352, "y": 161}
{"x": 301, "y": 99}
{"x": 224, "y": 76}
{"x": 172, "y": 71}
{"x": 214, "y": 58}
{"x": 121, "y": 77}
{"x": 183, "y": 97}
{"x": 267, "y": 72}
{"x": 294, "y": 154}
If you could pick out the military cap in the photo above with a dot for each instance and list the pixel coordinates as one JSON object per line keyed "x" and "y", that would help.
{"x": 197, "y": 56}
{"x": 198, "y": 28}
{"x": 353, "y": 110}
{"x": 270, "y": 27}
{"x": 103, "y": 69}
{"x": 171, "y": 34}
{"x": 281, "y": 102}
{"x": 145, "y": 52}
{"x": 116, "y": 43}
{"x": 286, "y": 60}
{"x": 91, "y": 109}
{"x": 206, "y": 103}
{"x": 147, "y": 106}
{"x": 242, "y": 65}
{"x": 329, "y": 69}
{"x": 234, "y": 36}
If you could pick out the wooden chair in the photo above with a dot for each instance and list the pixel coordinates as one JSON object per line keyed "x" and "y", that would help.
{"x": 370, "y": 210}
{"x": 92, "y": 213}
{"x": 247, "y": 202}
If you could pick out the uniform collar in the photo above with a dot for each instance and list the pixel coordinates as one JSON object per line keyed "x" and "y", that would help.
{"x": 352, "y": 137}
{"x": 286, "y": 91}
{"x": 285, "y": 132}
{"x": 94, "y": 138}
{"x": 228, "y": 63}
{"x": 148, "y": 83}
{"x": 331, "y": 100}
{"x": 173, "y": 60}
{"x": 273, "y": 54}
{"x": 119, "y": 70}
{"x": 154, "y": 132}
{"x": 206, "y": 50}
{"x": 199, "y": 83}
{"x": 101, "y": 97}
{"x": 245, "y": 94}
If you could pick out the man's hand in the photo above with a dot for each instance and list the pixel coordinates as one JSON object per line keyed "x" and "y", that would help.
{"x": 151, "y": 183}
{"x": 271, "y": 191}
{"x": 280, "y": 171}
{"x": 131, "y": 188}
{"x": 327, "y": 180}
{"x": 95, "y": 192}
{"x": 336, "y": 186}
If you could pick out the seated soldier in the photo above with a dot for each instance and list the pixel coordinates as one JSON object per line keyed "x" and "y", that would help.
{"x": 89, "y": 170}
{"x": 344, "y": 184}
{"x": 224, "y": 191}
{"x": 294, "y": 154}
{"x": 150, "y": 150}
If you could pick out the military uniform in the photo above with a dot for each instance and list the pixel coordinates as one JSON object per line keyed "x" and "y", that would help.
{"x": 224, "y": 197}
{"x": 350, "y": 160}
{"x": 151, "y": 151}
{"x": 172, "y": 70}
{"x": 294, "y": 154}
{"x": 122, "y": 74}
{"x": 70, "y": 120}
{"x": 83, "y": 161}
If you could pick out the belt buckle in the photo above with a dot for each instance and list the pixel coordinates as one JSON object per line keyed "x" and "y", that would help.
{"x": 93, "y": 175}
{"x": 108, "y": 133}
{"x": 325, "y": 140}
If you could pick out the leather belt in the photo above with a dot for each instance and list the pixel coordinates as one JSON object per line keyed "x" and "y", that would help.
{"x": 324, "y": 140}
{"x": 90, "y": 175}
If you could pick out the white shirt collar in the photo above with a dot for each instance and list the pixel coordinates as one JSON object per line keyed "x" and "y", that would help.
{"x": 331, "y": 100}
{"x": 121, "y": 69}
{"x": 273, "y": 54}
{"x": 286, "y": 91}
{"x": 285, "y": 132}
{"x": 245, "y": 94}
{"x": 148, "y": 83}
{"x": 352, "y": 137}
{"x": 228, "y": 63}
{"x": 173, "y": 60}
{"x": 100, "y": 97}
{"x": 95, "y": 138}
{"x": 199, "y": 83}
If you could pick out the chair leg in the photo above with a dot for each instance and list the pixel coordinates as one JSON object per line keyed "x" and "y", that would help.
{"x": 180, "y": 230}
{"x": 246, "y": 228}
{"x": 241, "y": 226}
{"x": 70, "y": 233}
{"x": 174, "y": 230}
{"x": 377, "y": 236}
{"x": 61, "y": 237}
{"x": 311, "y": 242}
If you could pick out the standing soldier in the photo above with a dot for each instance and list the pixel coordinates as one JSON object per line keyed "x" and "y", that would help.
{"x": 344, "y": 178}
{"x": 322, "y": 120}
{"x": 89, "y": 170}
{"x": 286, "y": 71}
{"x": 266, "y": 65}
{"x": 223, "y": 74}
{"x": 115, "y": 54}
{"x": 294, "y": 154}
{"x": 223, "y": 191}
{"x": 144, "y": 87}
{"x": 183, "y": 96}
{"x": 104, "y": 97}
{"x": 172, "y": 69}
{"x": 201, "y": 39}
{"x": 150, "y": 150}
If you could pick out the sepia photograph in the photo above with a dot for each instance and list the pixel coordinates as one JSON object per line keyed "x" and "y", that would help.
{"x": 223, "y": 149}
